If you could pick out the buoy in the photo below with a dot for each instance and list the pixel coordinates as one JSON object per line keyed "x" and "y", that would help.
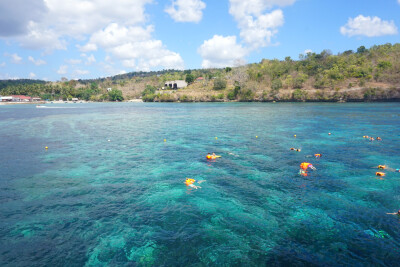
{"x": 295, "y": 135}
{"x": 329, "y": 133}
{"x": 165, "y": 140}
{"x": 46, "y": 148}
{"x": 216, "y": 138}
{"x": 109, "y": 140}
{"x": 256, "y": 136}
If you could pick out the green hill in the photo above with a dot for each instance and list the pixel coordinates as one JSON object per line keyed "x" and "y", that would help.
{"x": 363, "y": 75}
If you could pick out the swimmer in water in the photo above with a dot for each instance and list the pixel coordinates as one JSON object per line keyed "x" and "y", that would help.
{"x": 190, "y": 182}
{"x": 385, "y": 167}
{"x": 395, "y": 213}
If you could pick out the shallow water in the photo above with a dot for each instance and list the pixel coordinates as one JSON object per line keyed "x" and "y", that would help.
{"x": 110, "y": 191}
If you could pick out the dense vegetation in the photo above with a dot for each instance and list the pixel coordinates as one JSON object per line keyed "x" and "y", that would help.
{"x": 361, "y": 75}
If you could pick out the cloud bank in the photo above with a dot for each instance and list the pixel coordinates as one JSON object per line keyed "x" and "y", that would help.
{"x": 368, "y": 26}
{"x": 186, "y": 10}
{"x": 120, "y": 27}
{"x": 257, "y": 25}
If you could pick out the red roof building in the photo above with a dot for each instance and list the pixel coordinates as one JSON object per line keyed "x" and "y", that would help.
{"x": 21, "y": 98}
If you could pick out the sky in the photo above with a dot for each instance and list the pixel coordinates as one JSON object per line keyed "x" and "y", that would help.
{"x": 88, "y": 39}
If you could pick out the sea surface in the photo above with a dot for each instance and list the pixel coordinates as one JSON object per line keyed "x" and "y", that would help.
{"x": 109, "y": 190}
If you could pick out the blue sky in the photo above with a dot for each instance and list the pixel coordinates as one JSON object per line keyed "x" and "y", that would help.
{"x": 81, "y": 39}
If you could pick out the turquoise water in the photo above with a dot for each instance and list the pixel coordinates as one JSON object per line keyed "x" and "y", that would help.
{"x": 109, "y": 191}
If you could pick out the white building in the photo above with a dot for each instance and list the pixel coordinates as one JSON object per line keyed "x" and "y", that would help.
{"x": 178, "y": 84}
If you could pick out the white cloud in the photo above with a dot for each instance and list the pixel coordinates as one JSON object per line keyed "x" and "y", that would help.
{"x": 81, "y": 72}
{"x": 63, "y": 69}
{"x": 14, "y": 58}
{"x": 368, "y": 26}
{"x": 74, "y": 61}
{"x": 91, "y": 59}
{"x": 87, "y": 47}
{"x": 221, "y": 51}
{"x": 8, "y": 77}
{"x": 113, "y": 26}
{"x": 39, "y": 38}
{"x": 135, "y": 48}
{"x": 256, "y": 27}
{"x": 32, "y": 75}
{"x": 16, "y": 14}
{"x": 398, "y": 1}
{"x": 3, "y": 64}
{"x": 37, "y": 62}
{"x": 307, "y": 51}
{"x": 46, "y": 24}
{"x": 114, "y": 35}
{"x": 186, "y": 10}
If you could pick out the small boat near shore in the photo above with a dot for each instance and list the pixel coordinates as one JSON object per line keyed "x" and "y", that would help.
{"x": 40, "y": 106}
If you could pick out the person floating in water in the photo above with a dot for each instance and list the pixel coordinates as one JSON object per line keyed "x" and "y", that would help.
{"x": 213, "y": 156}
{"x": 395, "y": 213}
{"x": 386, "y": 168}
{"x": 317, "y": 155}
{"x": 190, "y": 182}
{"x": 304, "y": 166}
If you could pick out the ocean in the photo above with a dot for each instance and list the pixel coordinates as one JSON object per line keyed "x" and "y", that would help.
{"x": 110, "y": 191}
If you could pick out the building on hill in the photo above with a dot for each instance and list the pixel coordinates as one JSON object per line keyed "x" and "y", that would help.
{"x": 21, "y": 98}
{"x": 6, "y": 98}
{"x": 178, "y": 84}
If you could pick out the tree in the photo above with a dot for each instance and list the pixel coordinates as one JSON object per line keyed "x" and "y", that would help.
{"x": 219, "y": 84}
{"x": 115, "y": 95}
{"x": 361, "y": 50}
{"x": 189, "y": 78}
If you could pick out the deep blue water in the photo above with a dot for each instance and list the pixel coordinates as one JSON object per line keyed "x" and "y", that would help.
{"x": 110, "y": 191}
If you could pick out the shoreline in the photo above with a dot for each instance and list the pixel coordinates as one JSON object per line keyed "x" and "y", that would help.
{"x": 394, "y": 100}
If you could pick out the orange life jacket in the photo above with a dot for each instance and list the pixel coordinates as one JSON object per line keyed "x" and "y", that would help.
{"x": 304, "y": 165}
{"x": 189, "y": 181}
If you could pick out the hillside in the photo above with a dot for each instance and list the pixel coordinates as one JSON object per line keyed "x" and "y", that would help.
{"x": 364, "y": 75}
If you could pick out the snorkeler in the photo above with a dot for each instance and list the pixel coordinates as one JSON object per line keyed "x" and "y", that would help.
{"x": 395, "y": 213}
{"x": 303, "y": 168}
{"x": 386, "y": 168}
{"x": 317, "y": 155}
{"x": 190, "y": 182}
{"x": 305, "y": 165}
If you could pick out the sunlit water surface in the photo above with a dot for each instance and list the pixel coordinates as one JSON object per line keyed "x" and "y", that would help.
{"x": 110, "y": 191}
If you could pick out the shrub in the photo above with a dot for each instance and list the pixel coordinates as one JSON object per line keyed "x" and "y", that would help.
{"x": 149, "y": 98}
{"x": 299, "y": 95}
{"x": 276, "y": 84}
{"x": 219, "y": 84}
{"x": 231, "y": 95}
